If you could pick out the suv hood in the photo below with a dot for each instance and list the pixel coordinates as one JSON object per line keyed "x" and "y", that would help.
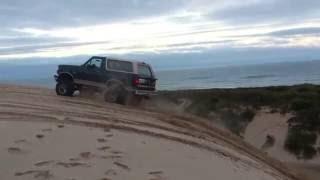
{"x": 67, "y": 68}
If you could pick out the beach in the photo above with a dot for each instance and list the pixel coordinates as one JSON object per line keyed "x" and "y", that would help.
{"x": 49, "y": 137}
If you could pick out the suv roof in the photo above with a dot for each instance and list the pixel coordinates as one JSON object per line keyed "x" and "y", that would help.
{"x": 118, "y": 59}
{"x": 135, "y": 64}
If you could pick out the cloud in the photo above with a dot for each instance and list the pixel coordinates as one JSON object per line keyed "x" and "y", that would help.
{"x": 261, "y": 11}
{"x": 62, "y": 13}
{"x": 45, "y": 28}
{"x": 45, "y": 47}
{"x": 66, "y": 46}
{"x": 296, "y": 31}
{"x": 12, "y": 41}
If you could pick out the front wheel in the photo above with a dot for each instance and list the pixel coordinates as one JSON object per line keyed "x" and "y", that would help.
{"x": 64, "y": 89}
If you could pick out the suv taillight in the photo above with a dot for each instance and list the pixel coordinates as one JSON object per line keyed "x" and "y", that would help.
{"x": 135, "y": 81}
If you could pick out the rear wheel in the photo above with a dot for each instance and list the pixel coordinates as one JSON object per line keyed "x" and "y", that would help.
{"x": 64, "y": 88}
{"x": 115, "y": 93}
{"x": 134, "y": 100}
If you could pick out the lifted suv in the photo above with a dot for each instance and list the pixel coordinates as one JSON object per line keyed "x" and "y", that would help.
{"x": 119, "y": 79}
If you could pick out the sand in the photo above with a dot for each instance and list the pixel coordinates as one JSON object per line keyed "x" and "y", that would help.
{"x": 44, "y": 136}
{"x": 275, "y": 124}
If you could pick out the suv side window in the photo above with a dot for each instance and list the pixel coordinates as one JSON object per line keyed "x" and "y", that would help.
{"x": 144, "y": 70}
{"x": 120, "y": 65}
{"x": 94, "y": 63}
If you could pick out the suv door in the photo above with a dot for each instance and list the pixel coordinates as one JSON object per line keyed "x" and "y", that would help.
{"x": 92, "y": 72}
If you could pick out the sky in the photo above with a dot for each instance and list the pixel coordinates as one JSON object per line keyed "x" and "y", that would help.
{"x": 166, "y": 32}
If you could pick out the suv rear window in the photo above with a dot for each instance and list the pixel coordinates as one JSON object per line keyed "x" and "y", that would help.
{"x": 144, "y": 70}
{"x": 120, "y": 65}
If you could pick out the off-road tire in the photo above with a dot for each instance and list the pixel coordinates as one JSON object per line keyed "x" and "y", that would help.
{"x": 134, "y": 100}
{"x": 64, "y": 88}
{"x": 115, "y": 93}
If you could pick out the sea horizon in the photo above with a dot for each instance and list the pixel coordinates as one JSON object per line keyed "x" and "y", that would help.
{"x": 249, "y": 75}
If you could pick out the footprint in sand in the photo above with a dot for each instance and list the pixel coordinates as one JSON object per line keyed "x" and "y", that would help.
{"x": 121, "y": 165}
{"x": 86, "y": 155}
{"x": 43, "y": 174}
{"x": 104, "y": 148}
{"x": 72, "y": 164}
{"x": 74, "y": 159}
{"x": 155, "y": 172}
{"x": 110, "y": 172}
{"x": 20, "y": 141}
{"x": 15, "y": 150}
{"x": 156, "y": 175}
{"x": 39, "y": 136}
{"x": 116, "y": 152}
{"x": 109, "y": 135}
{"x": 37, "y": 174}
{"x": 105, "y": 178}
{"x": 43, "y": 163}
{"x": 106, "y": 129}
{"x": 24, "y": 173}
{"x": 111, "y": 157}
{"x": 101, "y": 140}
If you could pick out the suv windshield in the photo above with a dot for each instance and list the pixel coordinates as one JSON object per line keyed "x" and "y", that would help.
{"x": 94, "y": 62}
{"x": 144, "y": 70}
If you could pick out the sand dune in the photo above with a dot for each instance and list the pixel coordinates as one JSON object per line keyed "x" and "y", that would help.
{"x": 275, "y": 124}
{"x": 44, "y": 136}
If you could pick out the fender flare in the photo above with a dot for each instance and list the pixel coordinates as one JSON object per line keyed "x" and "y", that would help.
{"x": 65, "y": 74}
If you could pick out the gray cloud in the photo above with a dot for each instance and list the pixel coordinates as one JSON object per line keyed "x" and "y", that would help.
{"x": 296, "y": 31}
{"x": 13, "y": 41}
{"x": 269, "y": 11}
{"x": 48, "y": 13}
{"x": 42, "y": 47}
{"x": 40, "y": 44}
{"x": 51, "y": 46}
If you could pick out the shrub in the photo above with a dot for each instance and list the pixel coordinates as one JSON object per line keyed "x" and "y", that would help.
{"x": 232, "y": 121}
{"x": 301, "y": 104}
{"x": 248, "y": 114}
{"x": 309, "y": 152}
{"x": 236, "y": 121}
{"x": 301, "y": 142}
{"x": 302, "y": 101}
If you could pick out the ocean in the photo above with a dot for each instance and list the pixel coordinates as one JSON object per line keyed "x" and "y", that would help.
{"x": 289, "y": 73}
{"x": 273, "y": 74}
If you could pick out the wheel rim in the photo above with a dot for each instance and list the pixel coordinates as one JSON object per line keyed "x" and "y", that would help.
{"x": 112, "y": 97}
{"x": 112, "y": 94}
{"x": 62, "y": 89}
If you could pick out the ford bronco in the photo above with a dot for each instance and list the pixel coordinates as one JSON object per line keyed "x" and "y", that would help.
{"x": 119, "y": 79}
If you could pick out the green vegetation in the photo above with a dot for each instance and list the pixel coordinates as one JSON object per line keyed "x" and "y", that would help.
{"x": 237, "y": 107}
{"x": 300, "y": 143}
{"x": 237, "y": 120}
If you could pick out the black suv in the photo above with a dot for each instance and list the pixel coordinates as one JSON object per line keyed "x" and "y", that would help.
{"x": 119, "y": 79}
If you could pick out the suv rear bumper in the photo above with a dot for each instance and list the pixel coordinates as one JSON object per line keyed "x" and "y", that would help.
{"x": 144, "y": 93}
